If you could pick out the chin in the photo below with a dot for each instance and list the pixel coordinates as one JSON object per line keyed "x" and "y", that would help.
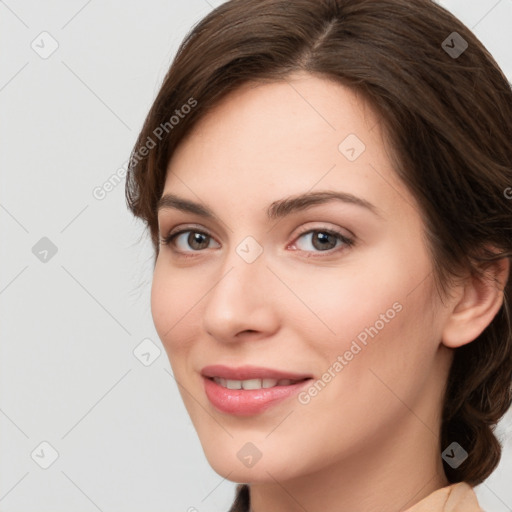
{"x": 235, "y": 471}
{"x": 264, "y": 460}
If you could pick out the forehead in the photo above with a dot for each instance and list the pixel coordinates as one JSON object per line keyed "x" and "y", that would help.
{"x": 282, "y": 138}
{"x": 290, "y": 114}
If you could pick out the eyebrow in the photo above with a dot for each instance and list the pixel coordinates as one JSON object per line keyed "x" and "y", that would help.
{"x": 277, "y": 209}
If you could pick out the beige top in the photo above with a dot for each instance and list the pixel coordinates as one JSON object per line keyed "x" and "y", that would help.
{"x": 458, "y": 497}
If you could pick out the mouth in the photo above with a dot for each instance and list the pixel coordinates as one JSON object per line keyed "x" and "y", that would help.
{"x": 242, "y": 373}
{"x": 249, "y": 390}
{"x": 254, "y": 383}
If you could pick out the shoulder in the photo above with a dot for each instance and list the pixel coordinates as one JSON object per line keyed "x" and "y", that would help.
{"x": 458, "y": 497}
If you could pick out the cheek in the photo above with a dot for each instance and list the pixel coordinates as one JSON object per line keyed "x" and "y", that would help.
{"x": 371, "y": 390}
{"x": 162, "y": 304}
{"x": 385, "y": 349}
{"x": 377, "y": 289}
{"x": 173, "y": 298}
{"x": 375, "y": 313}
{"x": 358, "y": 293}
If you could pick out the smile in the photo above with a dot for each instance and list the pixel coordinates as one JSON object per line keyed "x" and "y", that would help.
{"x": 253, "y": 383}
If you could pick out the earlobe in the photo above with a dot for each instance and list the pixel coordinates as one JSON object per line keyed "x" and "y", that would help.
{"x": 479, "y": 301}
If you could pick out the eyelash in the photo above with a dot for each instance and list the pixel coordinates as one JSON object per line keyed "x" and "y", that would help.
{"x": 347, "y": 242}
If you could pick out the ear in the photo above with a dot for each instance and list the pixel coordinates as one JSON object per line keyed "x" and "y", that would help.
{"x": 478, "y": 301}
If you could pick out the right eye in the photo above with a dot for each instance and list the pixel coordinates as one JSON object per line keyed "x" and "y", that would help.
{"x": 184, "y": 240}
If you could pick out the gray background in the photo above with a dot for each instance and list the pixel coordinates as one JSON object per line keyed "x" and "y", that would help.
{"x": 71, "y": 321}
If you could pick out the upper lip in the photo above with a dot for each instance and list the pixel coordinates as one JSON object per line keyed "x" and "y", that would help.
{"x": 249, "y": 372}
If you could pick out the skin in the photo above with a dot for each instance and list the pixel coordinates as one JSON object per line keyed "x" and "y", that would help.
{"x": 369, "y": 440}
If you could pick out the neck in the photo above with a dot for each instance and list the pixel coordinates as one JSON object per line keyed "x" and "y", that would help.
{"x": 393, "y": 472}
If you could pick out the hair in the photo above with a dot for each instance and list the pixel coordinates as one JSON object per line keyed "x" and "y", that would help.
{"x": 448, "y": 119}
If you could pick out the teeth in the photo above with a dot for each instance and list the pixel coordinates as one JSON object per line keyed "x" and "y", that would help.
{"x": 252, "y": 383}
{"x": 268, "y": 383}
{"x": 220, "y": 381}
{"x": 234, "y": 384}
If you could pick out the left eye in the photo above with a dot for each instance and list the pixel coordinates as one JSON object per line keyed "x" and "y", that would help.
{"x": 322, "y": 240}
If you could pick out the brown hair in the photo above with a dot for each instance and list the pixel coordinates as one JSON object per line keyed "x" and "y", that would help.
{"x": 448, "y": 116}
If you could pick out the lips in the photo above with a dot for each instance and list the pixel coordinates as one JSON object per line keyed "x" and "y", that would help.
{"x": 250, "y": 372}
{"x": 253, "y": 383}
{"x": 249, "y": 390}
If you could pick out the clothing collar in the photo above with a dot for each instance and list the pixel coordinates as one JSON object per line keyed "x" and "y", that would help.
{"x": 458, "y": 497}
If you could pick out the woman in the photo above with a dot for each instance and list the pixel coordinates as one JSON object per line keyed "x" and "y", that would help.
{"x": 327, "y": 189}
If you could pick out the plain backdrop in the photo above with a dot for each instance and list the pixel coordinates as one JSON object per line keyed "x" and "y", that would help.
{"x": 87, "y": 422}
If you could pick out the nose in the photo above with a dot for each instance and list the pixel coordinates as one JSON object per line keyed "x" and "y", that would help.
{"x": 240, "y": 304}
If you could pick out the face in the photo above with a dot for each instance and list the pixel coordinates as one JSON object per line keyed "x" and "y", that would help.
{"x": 322, "y": 306}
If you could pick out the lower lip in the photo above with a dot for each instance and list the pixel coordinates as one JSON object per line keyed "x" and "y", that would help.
{"x": 247, "y": 402}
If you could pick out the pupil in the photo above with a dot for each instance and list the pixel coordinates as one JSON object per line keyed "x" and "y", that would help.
{"x": 323, "y": 238}
{"x": 194, "y": 239}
